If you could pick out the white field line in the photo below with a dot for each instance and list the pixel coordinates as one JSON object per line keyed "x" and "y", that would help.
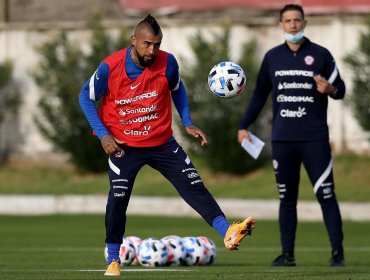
{"x": 141, "y": 270}
{"x": 100, "y": 270}
{"x": 252, "y": 249}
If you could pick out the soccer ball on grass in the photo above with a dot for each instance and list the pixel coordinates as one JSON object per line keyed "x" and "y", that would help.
{"x": 175, "y": 249}
{"x": 194, "y": 249}
{"x": 136, "y": 241}
{"x": 152, "y": 252}
{"x": 210, "y": 252}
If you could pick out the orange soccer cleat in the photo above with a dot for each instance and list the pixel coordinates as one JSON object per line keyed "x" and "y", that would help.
{"x": 237, "y": 231}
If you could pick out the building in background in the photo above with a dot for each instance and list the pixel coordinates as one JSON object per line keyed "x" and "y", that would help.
{"x": 26, "y": 24}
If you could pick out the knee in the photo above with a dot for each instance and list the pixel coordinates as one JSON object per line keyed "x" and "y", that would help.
{"x": 118, "y": 197}
{"x": 325, "y": 195}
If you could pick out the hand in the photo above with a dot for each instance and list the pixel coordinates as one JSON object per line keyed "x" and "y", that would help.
{"x": 244, "y": 134}
{"x": 196, "y": 132}
{"x": 109, "y": 145}
{"x": 323, "y": 86}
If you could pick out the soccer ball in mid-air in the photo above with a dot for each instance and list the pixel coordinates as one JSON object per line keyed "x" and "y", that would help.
{"x": 226, "y": 79}
{"x": 210, "y": 252}
{"x": 175, "y": 249}
{"x": 152, "y": 252}
{"x": 194, "y": 249}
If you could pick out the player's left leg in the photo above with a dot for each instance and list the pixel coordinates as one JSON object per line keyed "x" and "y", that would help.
{"x": 318, "y": 162}
{"x": 174, "y": 164}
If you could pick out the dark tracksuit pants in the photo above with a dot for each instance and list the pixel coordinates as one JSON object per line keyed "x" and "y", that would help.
{"x": 173, "y": 163}
{"x": 317, "y": 160}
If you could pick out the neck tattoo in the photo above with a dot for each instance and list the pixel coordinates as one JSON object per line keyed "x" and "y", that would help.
{"x": 135, "y": 59}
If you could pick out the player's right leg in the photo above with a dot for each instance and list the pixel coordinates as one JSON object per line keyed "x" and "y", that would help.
{"x": 286, "y": 164}
{"x": 123, "y": 168}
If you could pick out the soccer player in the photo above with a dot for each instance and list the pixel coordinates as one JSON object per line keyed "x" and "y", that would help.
{"x": 134, "y": 126}
{"x": 301, "y": 77}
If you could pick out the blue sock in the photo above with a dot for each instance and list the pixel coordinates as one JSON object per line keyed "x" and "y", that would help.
{"x": 221, "y": 225}
{"x": 113, "y": 252}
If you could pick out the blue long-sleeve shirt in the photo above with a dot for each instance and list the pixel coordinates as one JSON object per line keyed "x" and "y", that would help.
{"x": 95, "y": 88}
{"x": 299, "y": 110}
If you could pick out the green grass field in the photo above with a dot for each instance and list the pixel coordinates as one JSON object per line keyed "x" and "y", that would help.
{"x": 351, "y": 173}
{"x": 71, "y": 247}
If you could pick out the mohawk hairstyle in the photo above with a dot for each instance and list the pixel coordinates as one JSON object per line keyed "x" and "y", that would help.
{"x": 151, "y": 21}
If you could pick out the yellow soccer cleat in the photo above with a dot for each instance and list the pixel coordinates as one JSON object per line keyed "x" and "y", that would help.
{"x": 237, "y": 231}
{"x": 114, "y": 269}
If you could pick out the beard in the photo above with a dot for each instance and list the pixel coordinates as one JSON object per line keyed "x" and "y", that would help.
{"x": 142, "y": 61}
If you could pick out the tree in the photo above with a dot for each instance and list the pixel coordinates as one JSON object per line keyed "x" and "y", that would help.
{"x": 219, "y": 117}
{"x": 359, "y": 63}
{"x": 9, "y": 105}
{"x": 64, "y": 68}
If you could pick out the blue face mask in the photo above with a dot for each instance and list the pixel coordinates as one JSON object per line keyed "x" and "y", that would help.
{"x": 294, "y": 38}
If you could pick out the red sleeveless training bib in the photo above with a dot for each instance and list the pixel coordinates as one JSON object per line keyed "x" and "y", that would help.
{"x": 137, "y": 112}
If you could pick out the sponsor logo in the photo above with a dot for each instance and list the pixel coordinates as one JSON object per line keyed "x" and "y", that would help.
{"x": 138, "y": 110}
{"x": 141, "y": 119}
{"x": 193, "y": 175}
{"x": 309, "y": 60}
{"x": 293, "y": 99}
{"x": 119, "y": 180}
{"x": 299, "y": 73}
{"x": 196, "y": 182}
{"x": 119, "y": 154}
{"x": 133, "y": 132}
{"x": 326, "y": 191}
{"x": 122, "y": 194}
{"x": 286, "y": 113}
{"x": 175, "y": 151}
{"x": 120, "y": 187}
{"x": 96, "y": 75}
{"x": 286, "y": 85}
{"x": 188, "y": 169}
{"x": 133, "y": 87}
{"x": 146, "y": 95}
